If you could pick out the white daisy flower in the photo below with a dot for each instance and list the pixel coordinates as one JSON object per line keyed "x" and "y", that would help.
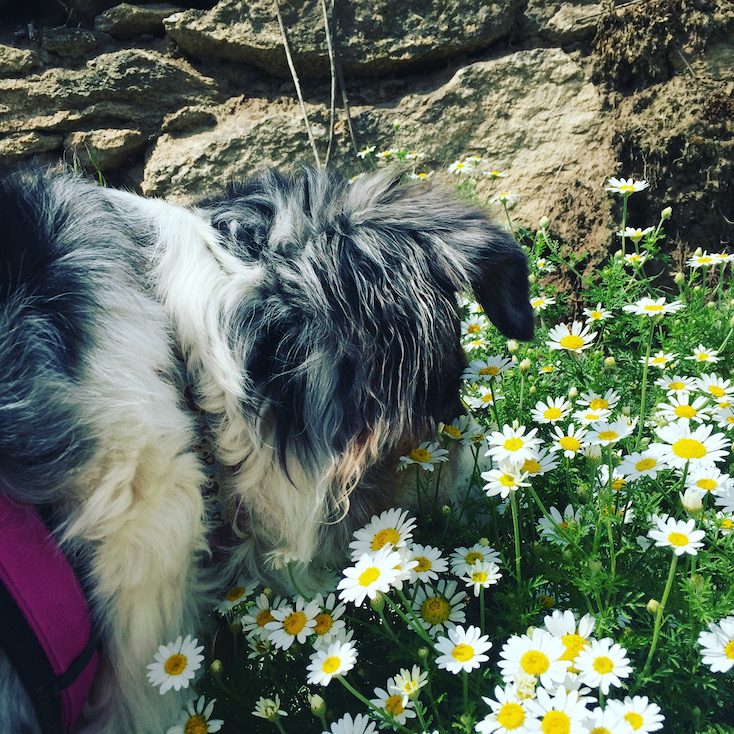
{"x": 569, "y": 441}
{"x": 292, "y": 622}
{"x": 606, "y": 721}
{"x": 642, "y": 464}
{"x": 660, "y": 359}
{"x": 505, "y": 479}
{"x": 392, "y": 528}
{"x": 360, "y": 724}
{"x": 253, "y": 623}
{"x": 508, "y": 716}
{"x": 574, "y": 635}
{"x": 408, "y": 682}
{"x": 463, "y": 649}
{"x": 676, "y": 384}
{"x": 717, "y": 645}
{"x": 598, "y": 313}
{"x": 652, "y": 307}
{"x": 505, "y": 198}
{"x": 703, "y": 354}
{"x": 485, "y": 398}
{"x": 603, "y": 663}
{"x": 404, "y": 568}
{"x": 540, "y": 464}
{"x": 338, "y": 658}
{"x": 328, "y": 621}
{"x": 703, "y": 260}
{"x": 258, "y": 648}
{"x": 429, "y": 563}
{"x": 540, "y": 303}
{"x": 485, "y": 369}
{"x": 463, "y": 429}
{"x": 644, "y": 717}
{"x": 197, "y": 718}
{"x": 680, "y": 536}
{"x": 588, "y": 416}
{"x": 635, "y": 259}
{"x": 464, "y": 167}
{"x": 539, "y": 655}
{"x": 680, "y": 409}
{"x": 464, "y": 558}
{"x": 684, "y": 445}
{"x": 708, "y": 479}
{"x": 441, "y": 607}
{"x": 544, "y": 266}
{"x": 474, "y": 326}
{"x": 574, "y": 338}
{"x": 427, "y": 455}
{"x": 724, "y": 418}
{"x": 268, "y": 708}
{"x": 513, "y": 444}
{"x": 597, "y": 401}
{"x": 366, "y": 151}
{"x": 715, "y": 386}
{"x": 372, "y": 574}
{"x": 482, "y": 575}
{"x": 725, "y": 499}
{"x": 625, "y": 186}
{"x": 551, "y": 411}
{"x": 547, "y": 369}
{"x": 239, "y": 592}
{"x": 605, "y": 433}
{"x": 619, "y": 480}
{"x": 561, "y": 711}
{"x": 396, "y": 705}
{"x": 725, "y": 522}
{"x": 176, "y": 664}
{"x": 635, "y": 233}
{"x": 570, "y": 519}
{"x": 494, "y": 173}
{"x": 342, "y": 635}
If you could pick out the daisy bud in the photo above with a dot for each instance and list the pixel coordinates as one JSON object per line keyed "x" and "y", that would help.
{"x": 667, "y": 213}
{"x": 679, "y": 278}
{"x": 378, "y": 603}
{"x": 512, "y": 346}
{"x": 532, "y": 278}
{"x": 610, "y": 363}
{"x": 697, "y": 288}
{"x": 697, "y": 581}
{"x": 525, "y": 364}
{"x": 710, "y": 304}
{"x": 216, "y": 667}
{"x": 268, "y": 592}
{"x": 534, "y": 389}
{"x": 318, "y": 705}
{"x": 698, "y": 251}
{"x": 691, "y": 501}
{"x": 626, "y": 410}
{"x": 445, "y": 510}
{"x": 544, "y": 223}
{"x": 573, "y": 392}
{"x": 423, "y": 653}
{"x": 619, "y": 254}
{"x": 484, "y": 542}
{"x": 652, "y": 606}
{"x": 595, "y": 567}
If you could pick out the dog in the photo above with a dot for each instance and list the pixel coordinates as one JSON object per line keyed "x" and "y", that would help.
{"x": 316, "y": 319}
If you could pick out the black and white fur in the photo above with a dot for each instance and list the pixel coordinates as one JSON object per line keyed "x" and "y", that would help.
{"x": 319, "y": 326}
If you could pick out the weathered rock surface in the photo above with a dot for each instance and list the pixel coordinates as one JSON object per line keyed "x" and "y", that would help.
{"x": 16, "y": 61}
{"x": 375, "y": 37}
{"x": 565, "y": 22}
{"x": 70, "y": 43}
{"x": 127, "y": 21}
{"x": 104, "y": 150}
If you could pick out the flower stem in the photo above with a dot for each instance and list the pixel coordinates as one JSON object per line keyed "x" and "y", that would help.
{"x": 279, "y": 726}
{"x": 466, "y": 691}
{"x": 382, "y": 715}
{"x": 624, "y": 222}
{"x": 516, "y": 534}
{"x": 481, "y": 610}
{"x": 659, "y": 615}
{"x": 643, "y": 397}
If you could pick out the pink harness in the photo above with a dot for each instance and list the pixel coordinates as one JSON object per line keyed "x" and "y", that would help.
{"x": 45, "y": 627}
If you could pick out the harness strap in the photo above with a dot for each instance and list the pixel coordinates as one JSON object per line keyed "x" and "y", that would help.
{"x": 46, "y": 629}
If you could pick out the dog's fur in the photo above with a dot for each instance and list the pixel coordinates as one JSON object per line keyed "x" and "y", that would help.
{"x": 319, "y": 326}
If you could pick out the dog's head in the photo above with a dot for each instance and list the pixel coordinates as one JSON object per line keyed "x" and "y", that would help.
{"x": 350, "y": 339}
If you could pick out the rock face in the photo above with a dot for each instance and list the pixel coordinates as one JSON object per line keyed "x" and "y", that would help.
{"x": 177, "y": 100}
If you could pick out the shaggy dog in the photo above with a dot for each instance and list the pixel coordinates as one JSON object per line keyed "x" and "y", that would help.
{"x": 318, "y": 324}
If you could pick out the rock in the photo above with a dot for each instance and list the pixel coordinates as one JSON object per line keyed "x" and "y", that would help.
{"x": 104, "y": 150}
{"x": 71, "y": 43}
{"x": 563, "y": 23}
{"x": 16, "y": 61}
{"x": 375, "y": 36}
{"x": 22, "y": 145}
{"x": 189, "y": 118}
{"x": 127, "y": 21}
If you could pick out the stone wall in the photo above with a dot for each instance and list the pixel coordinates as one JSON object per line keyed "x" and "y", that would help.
{"x": 176, "y": 100}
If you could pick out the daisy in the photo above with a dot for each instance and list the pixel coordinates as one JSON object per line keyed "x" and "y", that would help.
{"x": 463, "y": 649}
{"x": 684, "y": 445}
{"x": 717, "y": 645}
{"x": 644, "y": 717}
{"x": 701, "y": 261}
{"x": 676, "y": 384}
{"x": 485, "y": 369}
{"x": 680, "y": 409}
{"x": 259, "y": 648}
{"x": 603, "y": 663}
{"x": 395, "y": 705}
{"x": 463, "y": 558}
{"x": 392, "y": 528}
{"x": 540, "y": 303}
{"x": 587, "y": 416}
{"x": 619, "y": 480}
{"x": 268, "y": 708}
{"x": 474, "y": 326}
{"x": 551, "y": 411}
{"x": 606, "y": 721}
{"x": 253, "y": 623}
{"x": 372, "y": 574}
{"x": 482, "y": 575}
{"x": 360, "y": 724}
{"x": 635, "y": 259}
{"x": 726, "y": 500}
{"x": 478, "y": 342}
{"x": 708, "y": 479}
{"x": 681, "y": 536}
{"x": 429, "y": 563}
{"x": 463, "y": 429}
{"x": 439, "y": 608}
{"x": 569, "y": 441}
{"x": 459, "y": 168}
{"x": 425, "y": 456}
{"x": 635, "y": 234}
{"x": 605, "y": 433}
{"x": 575, "y": 636}
{"x": 508, "y": 716}
{"x": 702, "y": 354}
{"x": 725, "y": 522}
{"x": 561, "y": 711}
{"x": 337, "y": 659}
{"x": 715, "y": 386}
{"x": 409, "y": 682}
{"x": 505, "y": 198}
{"x": 292, "y": 622}
{"x": 625, "y": 186}
{"x": 598, "y": 313}
{"x": 652, "y": 307}
{"x": 505, "y": 479}
{"x": 569, "y": 519}
{"x": 540, "y": 464}
{"x": 544, "y": 266}
{"x": 725, "y": 418}
{"x": 574, "y": 338}
{"x": 238, "y": 593}
{"x": 366, "y": 151}
{"x": 597, "y": 401}
{"x": 485, "y": 398}
{"x": 660, "y": 359}
{"x": 328, "y": 620}
{"x": 495, "y": 174}
{"x": 513, "y": 444}
{"x": 546, "y": 369}
{"x": 197, "y": 718}
{"x": 176, "y": 664}
{"x": 539, "y": 655}
{"x": 641, "y": 464}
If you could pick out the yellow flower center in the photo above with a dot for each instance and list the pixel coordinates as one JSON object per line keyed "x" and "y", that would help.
{"x": 556, "y": 722}
{"x": 547, "y": 368}
{"x": 600, "y": 730}
{"x": 511, "y": 716}
{"x": 716, "y": 391}
{"x": 727, "y": 524}
{"x": 331, "y": 664}
{"x": 685, "y": 411}
{"x": 608, "y": 435}
{"x": 263, "y": 618}
{"x": 569, "y": 443}
{"x": 574, "y": 644}
{"x": 385, "y": 536}
{"x": 368, "y": 576}
{"x": 645, "y": 464}
{"x": 473, "y": 329}
{"x": 487, "y": 398}
{"x": 534, "y": 662}
{"x": 435, "y": 610}
{"x": 394, "y": 705}
{"x": 196, "y": 725}
{"x": 236, "y": 593}
{"x": 424, "y": 564}
{"x": 676, "y": 385}
{"x": 617, "y": 484}
{"x": 513, "y": 444}
{"x": 707, "y": 485}
{"x": 705, "y": 260}
{"x": 507, "y": 480}
{"x": 702, "y": 356}
{"x": 599, "y": 404}
{"x": 473, "y": 556}
{"x": 490, "y": 370}
{"x": 452, "y": 431}
{"x": 420, "y": 455}
{"x": 531, "y": 466}
{"x": 324, "y": 622}
{"x": 596, "y": 315}
{"x": 653, "y": 307}
{"x": 463, "y": 652}
{"x": 634, "y": 720}
{"x": 294, "y": 623}
{"x": 547, "y": 602}
{"x": 626, "y": 188}
{"x": 552, "y": 414}
{"x": 678, "y": 539}
{"x": 175, "y": 665}
{"x": 729, "y": 649}
{"x": 603, "y": 665}
{"x": 658, "y": 360}
{"x": 479, "y": 577}
{"x": 572, "y": 341}
{"x": 689, "y": 448}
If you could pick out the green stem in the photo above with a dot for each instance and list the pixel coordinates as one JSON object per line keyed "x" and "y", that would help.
{"x": 481, "y": 610}
{"x": 466, "y": 691}
{"x": 417, "y": 627}
{"x": 624, "y": 222}
{"x": 550, "y": 519}
{"x": 659, "y": 615}
{"x": 516, "y": 535}
{"x": 279, "y": 726}
{"x": 644, "y": 384}
{"x": 380, "y": 713}
{"x": 293, "y": 579}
